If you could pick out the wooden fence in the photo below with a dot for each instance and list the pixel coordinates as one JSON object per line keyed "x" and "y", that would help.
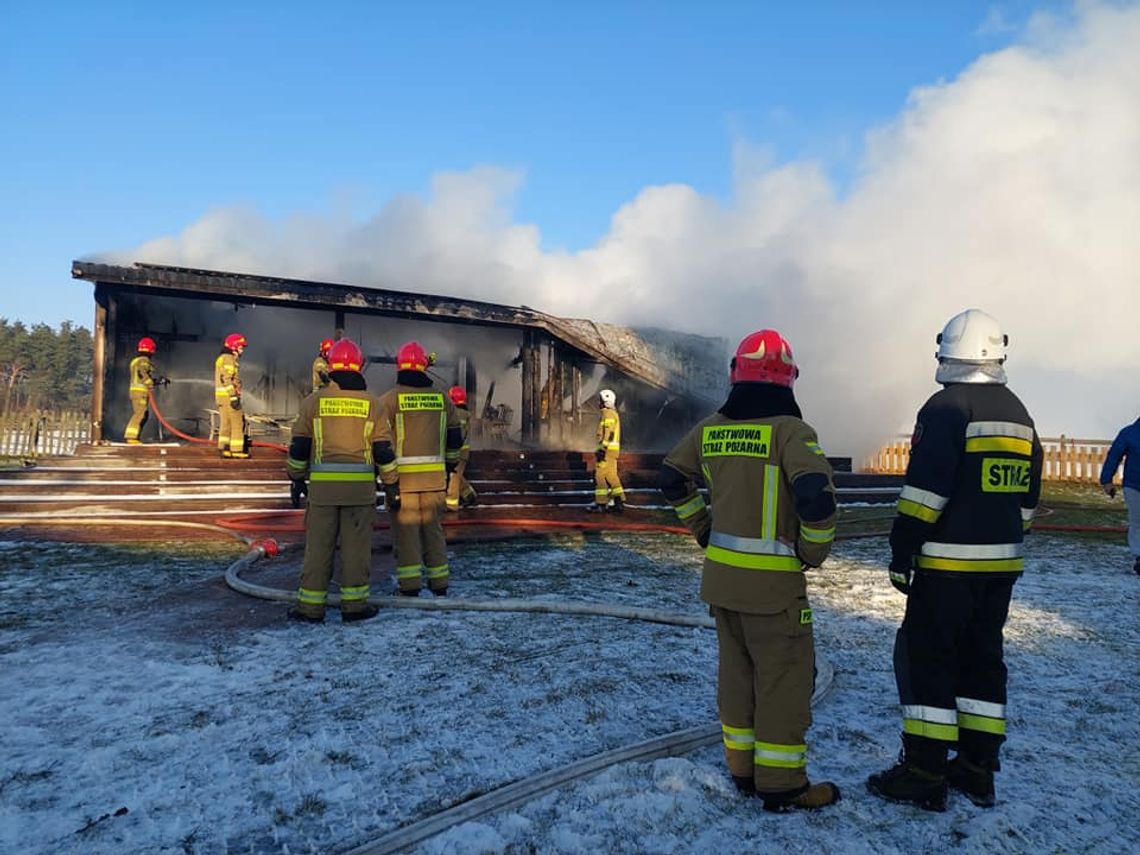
{"x": 1065, "y": 459}
{"x": 31, "y": 433}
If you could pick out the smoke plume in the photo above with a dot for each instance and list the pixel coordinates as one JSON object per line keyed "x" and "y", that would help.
{"x": 1014, "y": 188}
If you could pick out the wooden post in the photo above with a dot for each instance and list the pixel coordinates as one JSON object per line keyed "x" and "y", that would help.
{"x": 531, "y": 382}
{"x": 99, "y": 346}
{"x": 557, "y": 419}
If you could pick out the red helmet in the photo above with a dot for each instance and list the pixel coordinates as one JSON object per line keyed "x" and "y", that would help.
{"x": 326, "y": 345}
{"x": 234, "y": 341}
{"x": 146, "y": 345}
{"x": 344, "y": 355}
{"x": 458, "y": 396}
{"x": 764, "y": 357}
{"x": 412, "y": 357}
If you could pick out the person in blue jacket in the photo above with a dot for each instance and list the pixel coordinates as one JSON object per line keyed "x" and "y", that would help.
{"x": 1126, "y": 446}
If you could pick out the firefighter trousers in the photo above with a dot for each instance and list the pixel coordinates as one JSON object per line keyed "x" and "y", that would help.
{"x": 606, "y": 483}
{"x": 323, "y": 525}
{"x": 231, "y": 428}
{"x": 418, "y": 542}
{"x": 766, "y": 674}
{"x": 139, "y": 416}
{"x": 949, "y": 665}
{"x": 459, "y": 489}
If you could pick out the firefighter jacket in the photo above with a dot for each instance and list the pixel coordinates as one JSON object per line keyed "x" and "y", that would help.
{"x": 771, "y": 504}
{"x": 227, "y": 378}
{"x": 142, "y": 375}
{"x": 609, "y": 431}
{"x": 335, "y": 443}
{"x": 423, "y": 429}
{"x": 1127, "y": 446}
{"x": 320, "y": 372}
{"x": 464, "y": 417}
{"x": 972, "y": 484}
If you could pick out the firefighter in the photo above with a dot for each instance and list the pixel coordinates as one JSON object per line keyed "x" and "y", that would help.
{"x": 459, "y": 489}
{"x": 335, "y": 445}
{"x": 606, "y": 483}
{"x": 424, "y": 437}
{"x": 971, "y": 488}
{"x": 1126, "y": 447}
{"x": 227, "y": 396}
{"x": 143, "y": 379}
{"x": 321, "y": 365}
{"x": 770, "y": 517}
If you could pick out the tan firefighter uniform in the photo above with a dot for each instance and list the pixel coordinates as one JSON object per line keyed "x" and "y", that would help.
{"x": 606, "y": 483}
{"x": 320, "y": 372}
{"x": 142, "y": 381}
{"x": 459, "y": 489}
{"x": 227, "y": 397}
{"x": 332, "y": 446}
{"x": 421, "y": 424}
{"x": 753, "y": 580}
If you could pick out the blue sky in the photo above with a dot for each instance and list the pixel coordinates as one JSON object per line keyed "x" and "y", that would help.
{"x": 128, "y": 121}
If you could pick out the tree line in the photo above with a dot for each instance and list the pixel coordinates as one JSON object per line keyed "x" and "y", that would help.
{"x": 44, "y": 368}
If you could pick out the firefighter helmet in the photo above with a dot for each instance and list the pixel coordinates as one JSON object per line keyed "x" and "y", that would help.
{"x": 458, "y": 396}
{"x": 326, "y": 345}
{"x": 764, "y": 357}
{"x": 344, "y": 355}
{"x": 608, "y": 397}
{"x": 146, "y": 345}
{"x": 412, "y": 357}
{"x": 972, "y": 336}
{"x": 234, "y": 342}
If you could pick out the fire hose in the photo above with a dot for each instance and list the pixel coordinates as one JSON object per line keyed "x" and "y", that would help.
{"x": 197, "y": 439}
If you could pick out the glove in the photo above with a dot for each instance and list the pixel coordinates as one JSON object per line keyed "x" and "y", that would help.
{"x": 901, "y": 569}
{"x": 600, "y": 455}
{"x": 162, "y": 381}
{"x": 392, "y": 497}
{"x": 1109, "y": 490}
{"x": 235, "y": 402}
{"x": 297, "y": 489}
{"x": 703, "y": 539}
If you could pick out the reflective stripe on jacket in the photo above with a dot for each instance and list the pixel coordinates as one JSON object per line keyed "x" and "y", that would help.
{"x": 343, "y": 424}
{"x": 757, "y": 543}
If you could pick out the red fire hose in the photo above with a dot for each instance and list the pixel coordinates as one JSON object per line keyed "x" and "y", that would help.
{"x": 162, "y": 420}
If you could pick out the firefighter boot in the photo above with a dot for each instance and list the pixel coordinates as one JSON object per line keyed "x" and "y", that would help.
{"x": 296, "y": 614}
{"x": 619, "y": 505}
{"x": 1136, "y": 566}
{"x": 596, "y": 509}
{"x": 807, "y": 797}
{"x": 366, "y": 613}
{"x": 919, "y": 778}
{"x": 974, "y": 781}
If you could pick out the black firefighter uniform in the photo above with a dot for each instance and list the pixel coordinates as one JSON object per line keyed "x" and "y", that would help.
{"x": 142, "y": 381}
{"x": 606, "y": 483}
{"x": 459, "y": 489}
{"x": 332, "y": 446}
{"x": 227, "y": 398}
{"x": 971, "y": 487}
{"x": 423, "y": 429}
{"x": 759, "y": 473}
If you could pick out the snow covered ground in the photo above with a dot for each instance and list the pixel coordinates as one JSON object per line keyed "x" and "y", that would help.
{"x": 149, "y": 709}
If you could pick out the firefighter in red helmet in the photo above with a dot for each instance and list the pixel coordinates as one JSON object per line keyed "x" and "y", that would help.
{"x": 770, "y": 517}
{"x": 335, "y": 446}
{"x": 321, "y": 365}
{"x": 459, "y": 489}
{"x": 227, "y": 397}
{"x": 423, "y": 438}
{"x": 143, "y": 379}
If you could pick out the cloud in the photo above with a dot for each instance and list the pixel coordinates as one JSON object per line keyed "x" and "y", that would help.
{"x": 1014, "y": 188}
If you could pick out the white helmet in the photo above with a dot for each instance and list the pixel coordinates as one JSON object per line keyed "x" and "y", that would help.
{"x": 608, "y": 397}
{"x": 972, "y": 336}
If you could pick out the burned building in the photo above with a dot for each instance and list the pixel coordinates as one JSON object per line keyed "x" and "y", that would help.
{"x": 531, "y": 378}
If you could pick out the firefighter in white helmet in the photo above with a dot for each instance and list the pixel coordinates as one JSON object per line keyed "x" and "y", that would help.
{"x": 971, "y": 487}
{"x": 607, "y": 486}
{"x": 771, "y": 517}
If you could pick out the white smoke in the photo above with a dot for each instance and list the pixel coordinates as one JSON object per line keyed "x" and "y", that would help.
{"x": 1014, "y": 188}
